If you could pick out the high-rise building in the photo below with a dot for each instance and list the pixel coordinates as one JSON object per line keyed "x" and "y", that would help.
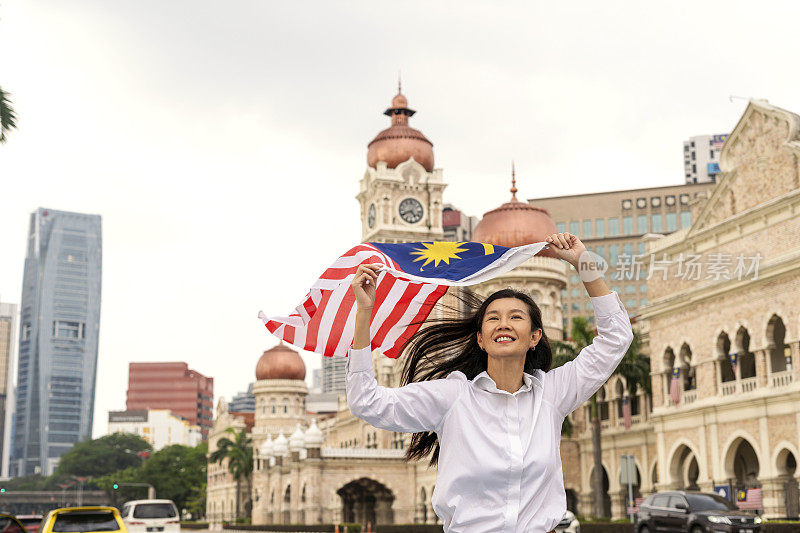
{"x": 174, "y": 386}
{"x": 613, "y": 224}
{"x": 8, "y": 325}
{"x": 244, "y": 402}
{"x": 58, "y": 334}
{"x": 701, "y": 157}
{"x": 333, "y": 374}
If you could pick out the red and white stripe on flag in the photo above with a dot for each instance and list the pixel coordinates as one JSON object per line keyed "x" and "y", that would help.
{"x": 324, "y": 322}
{"x": 626, "y": 412}
{"x": 751, "y": 501}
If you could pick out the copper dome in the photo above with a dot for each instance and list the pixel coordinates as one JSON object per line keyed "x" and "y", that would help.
{"x": 400, "y": 142}
{"x": 280, "y": 362}
{"x": 514, "y": 223}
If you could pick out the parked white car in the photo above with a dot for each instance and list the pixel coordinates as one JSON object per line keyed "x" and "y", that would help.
{"x": 569, "y": 524}
{"x": 150, "y": 516}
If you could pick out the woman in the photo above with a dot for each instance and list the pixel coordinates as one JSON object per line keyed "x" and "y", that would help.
{"x": 498, "y": 410}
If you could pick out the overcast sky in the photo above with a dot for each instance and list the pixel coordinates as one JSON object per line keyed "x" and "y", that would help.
{"x": 222, "y": 142}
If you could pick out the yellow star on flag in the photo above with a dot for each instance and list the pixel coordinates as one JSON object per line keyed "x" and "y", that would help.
{"x": 437, "y": 252}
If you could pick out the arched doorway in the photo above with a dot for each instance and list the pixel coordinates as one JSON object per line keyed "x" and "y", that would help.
{"x": 365, "y": 500}
{"x": 606, "y": 497}
{"x": 286, "y": 515}
{"x": 741, "y": 464}
{"x": 684, "y": 469}
{"x": 779, "y": 354}
{"x": 787, "y": 466}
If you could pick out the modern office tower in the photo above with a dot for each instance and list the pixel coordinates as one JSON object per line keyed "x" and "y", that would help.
{"x": 701, "y": 157}
{"x": 333, "y": 374}
{"x": 612, "y": 225}
{"x": 58, "y": 334}
{"x": 8, "y": 325}
{"x": 244, "y": 402}
{"x": 174, "y": 386}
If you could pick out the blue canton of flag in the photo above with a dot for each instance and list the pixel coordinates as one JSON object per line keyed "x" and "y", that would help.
{"x": 734, "y": 358}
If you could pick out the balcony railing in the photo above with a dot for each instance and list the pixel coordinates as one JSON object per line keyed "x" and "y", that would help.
{"x": 635, "y": 419}
{"x": 689, "y": 396}
{"x": 364, "y": 453}
{"x": 749, "y": 384}
{"x": 727, "y": 388}
{"x": 781, "y": 379}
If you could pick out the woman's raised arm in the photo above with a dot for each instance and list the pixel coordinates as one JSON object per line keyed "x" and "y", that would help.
{"x": 413, "y": 408}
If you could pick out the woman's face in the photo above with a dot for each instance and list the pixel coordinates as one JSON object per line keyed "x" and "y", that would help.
{"x": 506, "y": 330}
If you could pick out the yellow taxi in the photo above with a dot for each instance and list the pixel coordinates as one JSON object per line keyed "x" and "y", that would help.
{"x": 83, "y": 520}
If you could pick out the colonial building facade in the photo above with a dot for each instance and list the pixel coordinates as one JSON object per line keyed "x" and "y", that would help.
{"x": 740, "y": 427}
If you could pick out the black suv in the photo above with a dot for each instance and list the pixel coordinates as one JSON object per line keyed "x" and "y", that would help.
{"x": 693, "y": 512}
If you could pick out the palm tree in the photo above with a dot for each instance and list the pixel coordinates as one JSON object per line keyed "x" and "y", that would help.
{"x": 8, "y": 120}
{"x": 634, "y": 367}
{"x": 239, "y": 453}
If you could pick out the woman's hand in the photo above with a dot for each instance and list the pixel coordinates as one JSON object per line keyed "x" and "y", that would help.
{"x": 566, "y": 246}
{"x": 363, "y": 285}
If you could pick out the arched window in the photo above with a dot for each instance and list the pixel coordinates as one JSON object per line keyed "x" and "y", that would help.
{"x": 688, "y": 371}
{"x": 724, "y": 357}
{"x": 780, "y": 355}
{"x": 746, "y": 358}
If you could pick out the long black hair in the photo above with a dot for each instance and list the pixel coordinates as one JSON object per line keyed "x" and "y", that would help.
{"x": 444, "y": 345}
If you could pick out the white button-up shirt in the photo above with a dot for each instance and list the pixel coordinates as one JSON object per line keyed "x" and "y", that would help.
{"x": 499, "y": 461}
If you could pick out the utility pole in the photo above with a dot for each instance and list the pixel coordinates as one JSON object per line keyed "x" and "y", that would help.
{"x": 628, "y": 473}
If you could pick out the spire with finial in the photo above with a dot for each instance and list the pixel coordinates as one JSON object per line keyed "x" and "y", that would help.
{"x": 399, "y": 83}
{"x": 513, "y": 183}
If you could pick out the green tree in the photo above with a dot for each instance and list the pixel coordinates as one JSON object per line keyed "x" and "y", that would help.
{"x": 239, "y": 455}
{"x": 634, "y": 367}
{"x": 106, "y": 455}
{"x": 8, "y": 119}
{"x": 175, "y": 471}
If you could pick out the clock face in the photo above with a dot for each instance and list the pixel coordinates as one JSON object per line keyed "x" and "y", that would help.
{"x": 371, "y": 216}
{"x": 410, "y": 210}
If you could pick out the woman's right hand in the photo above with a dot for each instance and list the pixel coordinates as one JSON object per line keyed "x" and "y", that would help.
{"x": 363, "y": 285}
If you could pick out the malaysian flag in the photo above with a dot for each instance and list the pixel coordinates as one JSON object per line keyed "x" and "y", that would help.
{"x": 626, "y": 412}
{"x": 734, "y": 359}
{"x": 749, "y": 499}
{"x": 675, "y": 385}
{"x": 414, "y": 276}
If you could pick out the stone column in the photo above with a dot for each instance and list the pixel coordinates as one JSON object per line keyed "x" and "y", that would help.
{"x": 794, "y": 348}
{"x": 761, "y": 367}
{"x": 618, "y": 499}
{"x": 773, "y": 496}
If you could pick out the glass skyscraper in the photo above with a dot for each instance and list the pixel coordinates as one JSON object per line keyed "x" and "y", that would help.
{"x": 59, "y": 326}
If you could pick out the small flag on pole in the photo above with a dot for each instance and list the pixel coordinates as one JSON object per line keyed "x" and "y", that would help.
{"x": 415, "y": 275}
{"x": 675, "y": 385}
{"x": 734, "y": 359}
{"x": 626, "y": 412}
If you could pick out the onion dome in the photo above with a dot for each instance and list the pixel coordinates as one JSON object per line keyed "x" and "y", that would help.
{"x": 314, "y": 438}
{"x": 514, "y": 223}
{"x": 266, "y": 447}
{"x": 297, "y": 440}
{"x": 280, "y": 446}
{"x": 280, "y": 362}
{"x": 400, "y": 142}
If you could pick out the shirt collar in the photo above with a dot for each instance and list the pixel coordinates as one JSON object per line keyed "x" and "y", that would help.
{"x": 485, "y": 382}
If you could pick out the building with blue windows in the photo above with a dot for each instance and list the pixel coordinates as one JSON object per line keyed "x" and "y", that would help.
{"x": 58, "y": 335}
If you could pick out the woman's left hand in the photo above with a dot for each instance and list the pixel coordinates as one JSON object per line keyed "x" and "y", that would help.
{"x": 566, "y": 246}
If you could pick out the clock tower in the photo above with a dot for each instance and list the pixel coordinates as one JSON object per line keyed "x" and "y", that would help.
{"x": 401, "y": 192}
